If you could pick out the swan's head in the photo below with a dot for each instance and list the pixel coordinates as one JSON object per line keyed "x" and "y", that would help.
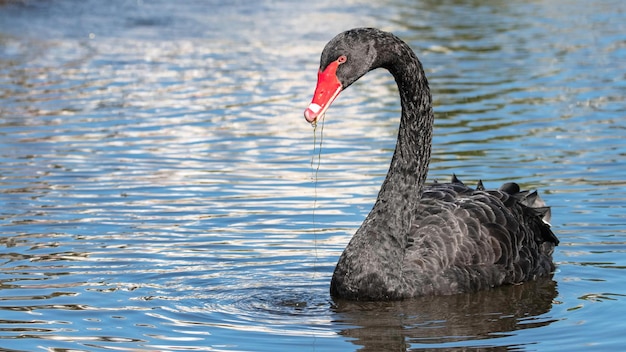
{"x": 345, "y": 59}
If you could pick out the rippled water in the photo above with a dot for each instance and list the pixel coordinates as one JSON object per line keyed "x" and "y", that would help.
{"x": 159, "y": 187}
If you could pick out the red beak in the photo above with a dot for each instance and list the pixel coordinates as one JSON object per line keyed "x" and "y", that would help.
{"x": 328, "y": 88}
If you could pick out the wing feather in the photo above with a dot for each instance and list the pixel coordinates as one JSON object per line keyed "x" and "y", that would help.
{"x": 464, "y": 239}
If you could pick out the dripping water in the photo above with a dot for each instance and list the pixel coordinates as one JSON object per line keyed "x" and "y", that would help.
{"x": 315, "y": 166}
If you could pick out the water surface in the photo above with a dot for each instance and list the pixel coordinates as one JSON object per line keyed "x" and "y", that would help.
{"x": 160, "y": 189}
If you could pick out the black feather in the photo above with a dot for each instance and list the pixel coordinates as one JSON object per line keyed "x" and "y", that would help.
{"x": 445, "y": 238}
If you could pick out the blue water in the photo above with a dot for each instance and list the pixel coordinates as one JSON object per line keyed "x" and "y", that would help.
{"x": 160, "y": 189}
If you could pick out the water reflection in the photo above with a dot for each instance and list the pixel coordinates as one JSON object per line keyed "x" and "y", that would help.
{"x": 448, "y": 321}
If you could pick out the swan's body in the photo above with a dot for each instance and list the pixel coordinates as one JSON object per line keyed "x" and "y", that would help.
{"x": 426, "y": 240}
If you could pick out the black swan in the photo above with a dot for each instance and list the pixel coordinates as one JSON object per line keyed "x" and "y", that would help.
{"x": 418, "y": 239}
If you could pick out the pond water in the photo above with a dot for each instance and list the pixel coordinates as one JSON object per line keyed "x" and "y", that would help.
{"x": 160, "y": 189}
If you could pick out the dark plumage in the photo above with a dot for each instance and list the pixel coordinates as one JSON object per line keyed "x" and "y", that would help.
{"x": 417, "y": 240}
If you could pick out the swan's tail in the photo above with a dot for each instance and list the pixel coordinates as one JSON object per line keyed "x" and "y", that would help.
{"x": 530, "y": 199}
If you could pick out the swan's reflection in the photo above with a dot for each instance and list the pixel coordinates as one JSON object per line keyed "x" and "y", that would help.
{"x": 401, "y": 326}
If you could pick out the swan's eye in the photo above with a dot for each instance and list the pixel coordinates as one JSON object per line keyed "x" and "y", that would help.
{"x": 341, "y": 59}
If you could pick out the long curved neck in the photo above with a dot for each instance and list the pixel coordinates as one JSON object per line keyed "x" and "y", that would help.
{"x": 405, "y": 179}
{"x": 364, "y": 267}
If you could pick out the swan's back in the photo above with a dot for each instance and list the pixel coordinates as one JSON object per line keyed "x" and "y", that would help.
{"x": 464, "y": 239}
